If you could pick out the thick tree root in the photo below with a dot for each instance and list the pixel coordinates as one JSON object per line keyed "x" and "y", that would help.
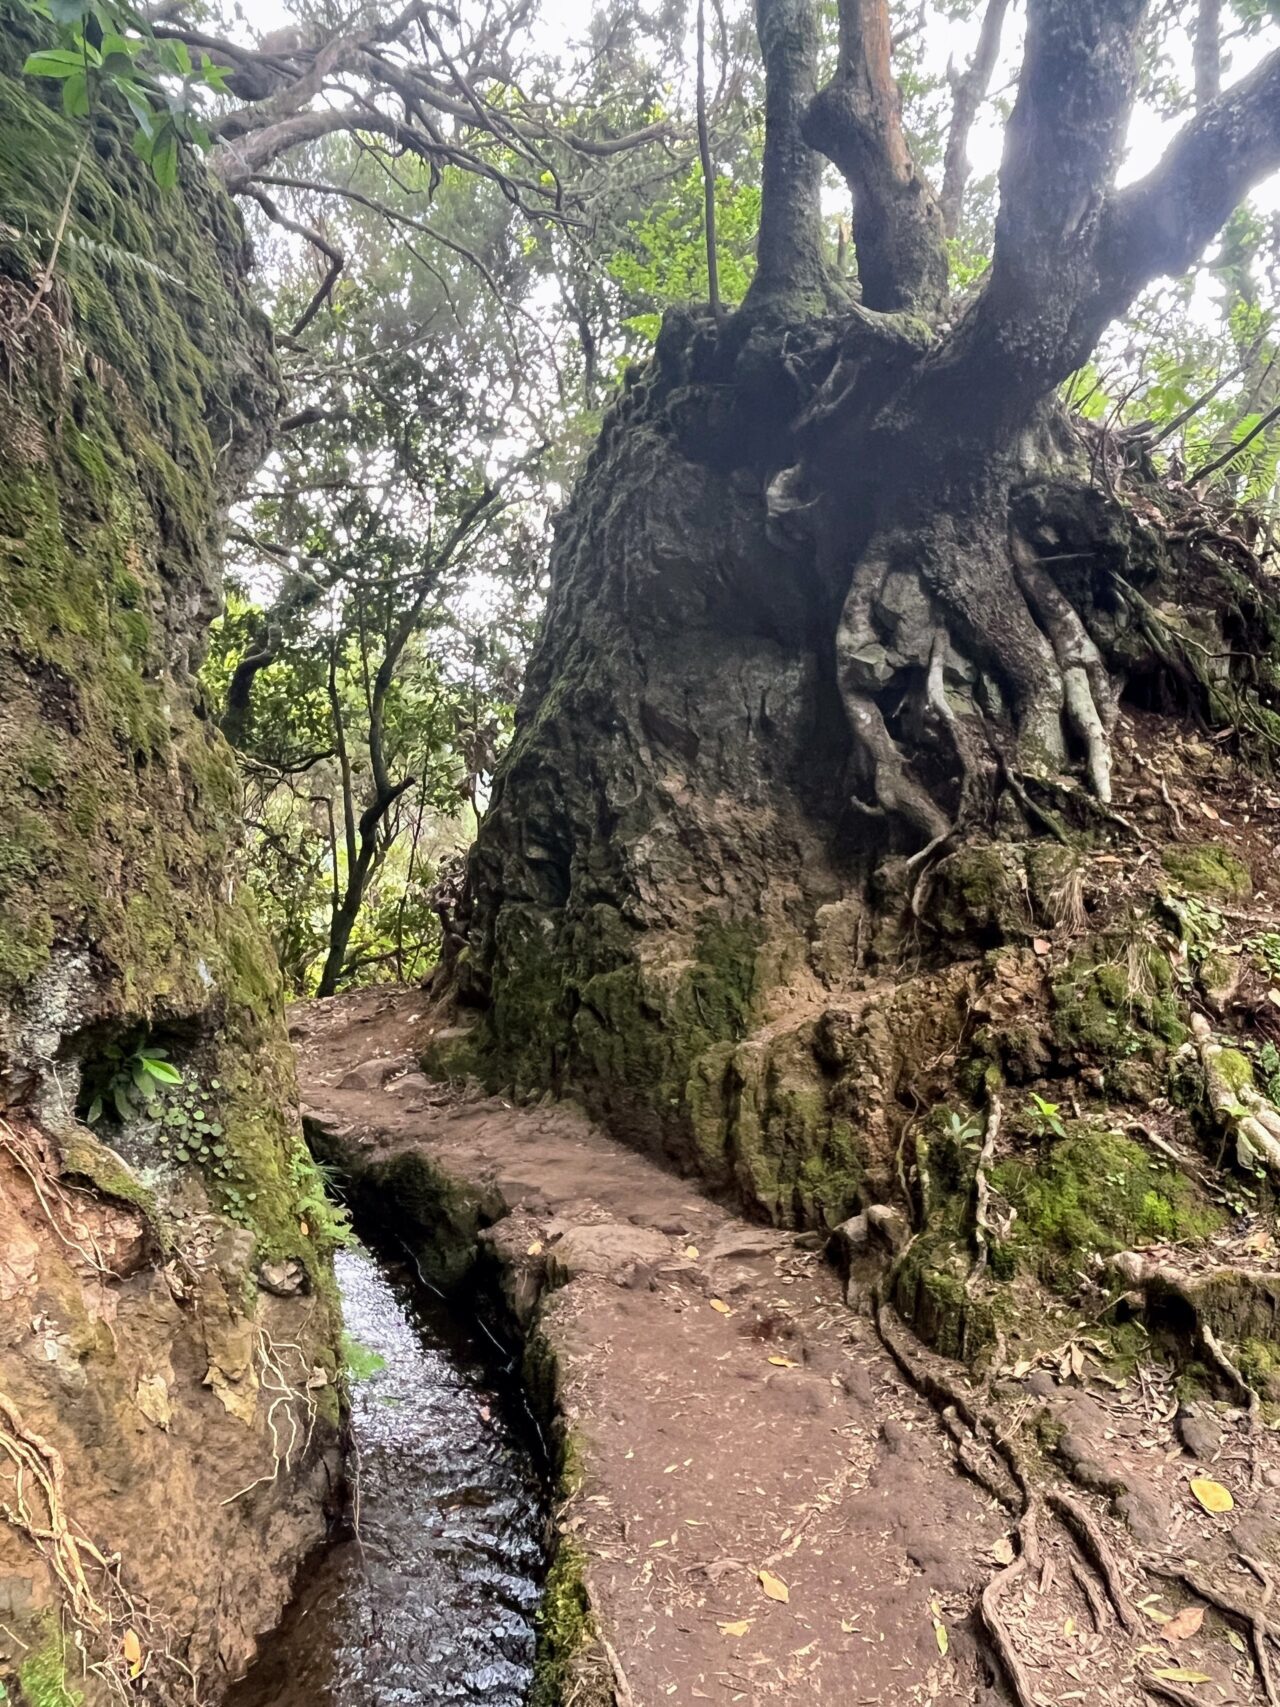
{"x": 1095, "y": 1545}
{"x": 1240, "y": 1108}
{"x": 1152, "y": 1281}
{"x": 1087, "y": 691}
{"x": 1006, "y": 1653}
{"x": 1217, "y": 1597}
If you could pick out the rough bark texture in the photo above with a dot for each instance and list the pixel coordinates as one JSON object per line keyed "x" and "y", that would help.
{"x": 783, "y": 953}
{"x": 167, "y": 1322}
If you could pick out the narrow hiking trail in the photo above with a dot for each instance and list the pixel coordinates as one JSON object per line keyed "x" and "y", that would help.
{"x": 731, "y": 1415}
{"x": 763, "y": 1509}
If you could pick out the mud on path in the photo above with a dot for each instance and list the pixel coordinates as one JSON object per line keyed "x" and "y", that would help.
{"x": 730, "y": 1415}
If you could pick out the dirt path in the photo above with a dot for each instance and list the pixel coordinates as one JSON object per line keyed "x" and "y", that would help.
{"x": 733, "y": 1416}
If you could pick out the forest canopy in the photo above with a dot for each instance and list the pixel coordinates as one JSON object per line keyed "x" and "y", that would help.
{"x": 469, "y": 224}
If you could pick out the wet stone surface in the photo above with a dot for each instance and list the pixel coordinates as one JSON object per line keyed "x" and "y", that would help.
{"x": 434, "y": 1600}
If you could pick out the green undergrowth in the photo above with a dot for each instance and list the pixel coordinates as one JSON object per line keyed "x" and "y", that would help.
{"x": 42, "y": 1674}
{"x": 1094, "y": 1193}
{"x": 1208, "y": 870}
{"x": 565, "y": 1632}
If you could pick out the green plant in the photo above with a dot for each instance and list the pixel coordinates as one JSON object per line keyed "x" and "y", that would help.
{"x": 1046, "y": 1118}
{"x": 1265, "y": 949}
{"x": 107, "y": 46}
{"x": 141, "y": 1073}
{"x": 962, "y": 1129}
{"x": 359, "y": 1360}
{"x": 1201, "y": 926}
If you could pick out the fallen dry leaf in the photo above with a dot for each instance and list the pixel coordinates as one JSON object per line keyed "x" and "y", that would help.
{"x": 773, "y": 1586}
{"x": 535, "y": 1249}
{"x": 691, "y": 1253}
{"x": 739, "y": 1627}
{"x": 1002, "y": 1551}
{"x": 784, "y": 1362}
{"x": 1042, "y": 945}
{"x": 720, "y": 1305}
{"x": 1181, "y": 1674}
{"x": 132, "y": 1647}
{"x": 1184, "y": 1623}
{"x": 940, "y": 1635}
{"x": 1212, "y": 1495}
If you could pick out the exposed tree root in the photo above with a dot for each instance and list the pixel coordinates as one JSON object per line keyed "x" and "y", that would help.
{"x": 1088, "y": 694}
{"x": 49, "y": 1193}
{"x": 1006, "y": 1653}
{"x": 1166, "y": 1691}
{"x": 982, "y": 1191}
{"x": 1240, "y": 1108}
{"x": 1089, "y": 1589}
{"x": 1216, "y": 1596}
{"x": 1095, "y": 1545}
{"x": 1158, "y": 1280}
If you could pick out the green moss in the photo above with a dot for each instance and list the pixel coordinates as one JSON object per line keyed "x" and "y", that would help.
{"x": 85, "y": 1156}
{"x": 929, "y": 1291}
{"x": 42, "y": 1675}
{"x": 1208, "y": 869}
{"x": 977, "y": 895}
{"x": 565, "y": 1629}
{"x": 1105, "y": 1007}
{"x": 1235, "y": 1069}
{"x": 1096, "y": 1192}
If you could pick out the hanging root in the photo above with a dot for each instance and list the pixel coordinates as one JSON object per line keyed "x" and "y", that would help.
{"x": 56, "y": 1206}
{"x": 982, "y": 1192}
{"x": 290, "y": 1433}
{"x": 1087, "y": 691}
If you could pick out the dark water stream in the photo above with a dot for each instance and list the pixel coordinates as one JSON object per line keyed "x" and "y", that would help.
{"x": 433, "y": 1600}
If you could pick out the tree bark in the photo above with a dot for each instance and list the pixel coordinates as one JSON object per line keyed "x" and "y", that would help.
{"x": 791, "y": 268}
{"x": 856, "y": 121}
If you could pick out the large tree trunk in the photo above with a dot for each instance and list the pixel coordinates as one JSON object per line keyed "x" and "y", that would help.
{"x": 809, "y": 731}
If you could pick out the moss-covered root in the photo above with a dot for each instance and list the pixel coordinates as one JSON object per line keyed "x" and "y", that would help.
{"x": 1236, "y": 1102}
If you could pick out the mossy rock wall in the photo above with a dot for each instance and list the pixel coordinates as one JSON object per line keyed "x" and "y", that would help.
{"x": 139, "y": 391}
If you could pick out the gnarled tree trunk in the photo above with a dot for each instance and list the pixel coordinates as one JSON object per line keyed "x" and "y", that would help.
{"x": 826, "y": 698}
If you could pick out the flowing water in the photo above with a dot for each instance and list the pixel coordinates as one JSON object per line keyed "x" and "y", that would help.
{"x": 433, "y": 1600}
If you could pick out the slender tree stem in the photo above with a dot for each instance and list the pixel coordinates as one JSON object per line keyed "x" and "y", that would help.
{"x": 708, "y": 175}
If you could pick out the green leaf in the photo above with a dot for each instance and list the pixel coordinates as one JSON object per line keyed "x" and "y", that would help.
{"x": 75, "y": 96}
{"x": 95, "y": 1111}
{"x": 120, "y": 1096}
{"x": 54, "y": 62}
{"x": 162, "y": 1070}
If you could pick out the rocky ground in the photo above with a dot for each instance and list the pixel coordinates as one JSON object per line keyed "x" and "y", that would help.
{"x": 770, "y": 1492}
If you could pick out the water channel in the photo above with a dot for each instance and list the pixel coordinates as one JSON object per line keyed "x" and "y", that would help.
{"x": 432, "y": 1598}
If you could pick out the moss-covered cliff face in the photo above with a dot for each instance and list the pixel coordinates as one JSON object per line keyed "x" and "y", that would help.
{"x": 1040, "y": 1047}
{"x": 167, "y": 1315}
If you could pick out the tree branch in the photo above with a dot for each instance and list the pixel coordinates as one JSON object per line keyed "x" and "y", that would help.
{"x": 856, "y": 121}
{"x": 968, "y": 89}
{"x": 1162, "y": 224}
{"x": 791, "y": 269}
{"x": 337, "y": 260}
